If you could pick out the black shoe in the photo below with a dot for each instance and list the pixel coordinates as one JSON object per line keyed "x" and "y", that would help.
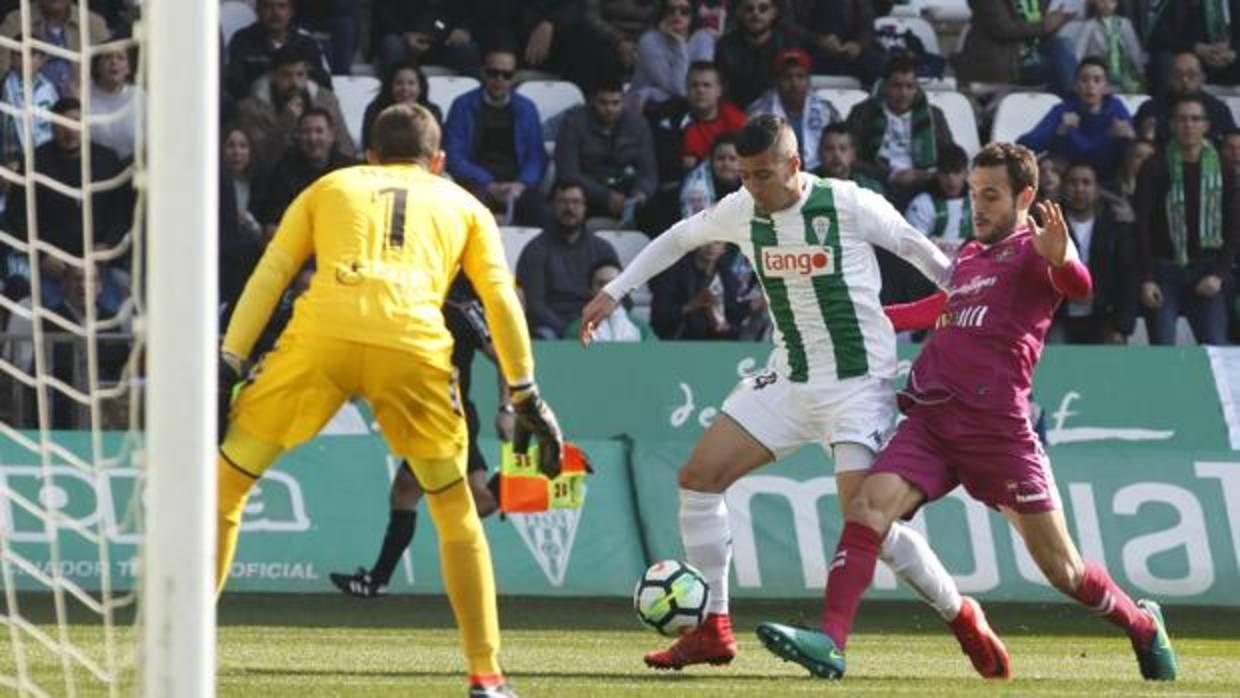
{"x": 500, "y": 691}
{"x": 359, "y": 584}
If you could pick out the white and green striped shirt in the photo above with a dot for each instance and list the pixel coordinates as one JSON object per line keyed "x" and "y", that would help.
{"x": 818, "y": 269}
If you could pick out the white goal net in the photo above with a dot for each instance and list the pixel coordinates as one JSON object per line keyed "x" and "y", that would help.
{"x": 107, "y": 270}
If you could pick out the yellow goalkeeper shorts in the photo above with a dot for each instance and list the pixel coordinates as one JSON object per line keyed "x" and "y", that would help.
{"x": 299, "y": 385}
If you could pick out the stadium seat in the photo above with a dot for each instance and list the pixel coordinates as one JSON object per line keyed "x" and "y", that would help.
{"x": 553, "y": 97}
{"x": 960, "y": 119}
{"x": 920, "y": 28}
{"x": 1018, "y": 113}
{"x": 444, "y": 89}
{"x": 235, "y": 15}
{"x": 1133, "y": 102}
{"x": 628, "y": 243}
{"x": 354, "y": 92}
{"x": 953, "y": 11}
{"x": 847, "y": 82}
{"x": 1233, "y": 103}
{"x": 515, "y": 239}
{"x": 843, "y": 99}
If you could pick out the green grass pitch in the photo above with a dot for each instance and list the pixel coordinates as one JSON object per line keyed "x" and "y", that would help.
{"x": 277, "y": 646}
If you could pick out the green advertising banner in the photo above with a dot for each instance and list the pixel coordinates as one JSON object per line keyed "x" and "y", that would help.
{"x": 1141, "y": 441}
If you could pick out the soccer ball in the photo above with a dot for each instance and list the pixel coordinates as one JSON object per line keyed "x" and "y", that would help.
{"x": 671, "y": 597}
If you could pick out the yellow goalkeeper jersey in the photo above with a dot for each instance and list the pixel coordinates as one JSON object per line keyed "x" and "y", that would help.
{"x": 387, "y": 242}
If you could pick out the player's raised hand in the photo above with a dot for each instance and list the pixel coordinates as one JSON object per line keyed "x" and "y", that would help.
{"x": 597, "y": 310}
{"x": 535, "y": 420}
{"x": 1050, "y": 238}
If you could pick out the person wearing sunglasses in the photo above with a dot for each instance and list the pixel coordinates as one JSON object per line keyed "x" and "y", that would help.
{"x": 493, "y": 142}
{"x": 665, "y": 53}
{"x": 746, "y": 53}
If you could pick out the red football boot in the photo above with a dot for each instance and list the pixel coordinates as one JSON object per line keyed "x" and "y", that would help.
{"x": 709, "y": 643}
{"x": 977, "y": 640}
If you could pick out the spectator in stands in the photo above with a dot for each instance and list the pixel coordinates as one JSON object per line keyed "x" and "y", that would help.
{"x": 805, "y": 111}
{"x": 56, "y": 22}
{"x": 1051, "y": 168}
{"x": 333, "y": 23}
{"x": 12, "y": 132}
{"x": 615, "y": 26}
{"x": 242, "y": 237}
{"x": 427, "y": 32}
{"x": 1186, "y": 78}
{"x": 609, "y": 151}
{"x": 312, "y": 155}
{"x": 552, "y": 34}
{"x": 553, "y": 271}
{"x": 252, "y": 50}
{"x": 898, "y": 132}
{"x": 1187, "y": 230}
{"x": 1092, "y": 125}
{"x": 1105, "y": 246}
{"x": 664, "y": 55}
{"x": 1017, "y": 42}
{"x": 620, "y": 326}
{"x": 698, "y": 298}
{"x": 494, "y": 146}
{"x": 277, "y": 101}
{"x": 944, "y": 213}
{"x": 60, "y": 216}
{"x": 838, "y": 155}
{"x": 1231, "y": 150}
{"x": 713, "y": 179}
{"x": 68, "y": 352}
{"x": 746, "y": 53}
{"x": 709, "y": 114}
{"x": 402, "y": 83}
{"x": 114, "y": 96}
{"x": 1124, "y": 184}
{"x": 840, "y": 35}
{"x": 1111, "y": 36}
{"x": 1197, "y": 26}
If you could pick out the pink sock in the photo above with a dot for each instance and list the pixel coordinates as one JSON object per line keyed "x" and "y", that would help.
{"x": 847, "y": 578}
{"x": 1098, "y": 591}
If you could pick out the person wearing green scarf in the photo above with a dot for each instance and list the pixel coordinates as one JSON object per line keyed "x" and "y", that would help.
{"x": 1112, "y": 37}
{"x": 1187, "y": 231}
{"x": 1201, "y": 26}
{"x": 897, "y": 131}
{"x": 944, "y": 212}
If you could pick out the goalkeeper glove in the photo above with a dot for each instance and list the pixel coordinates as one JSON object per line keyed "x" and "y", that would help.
{"x": 536, "y": 420}
{"x": 231, "y": 375}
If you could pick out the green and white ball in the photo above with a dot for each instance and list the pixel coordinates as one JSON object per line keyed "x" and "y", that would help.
{"x": 671, "y": 597}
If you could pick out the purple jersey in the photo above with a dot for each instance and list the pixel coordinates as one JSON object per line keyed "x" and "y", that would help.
{"x": 991, "y": 332}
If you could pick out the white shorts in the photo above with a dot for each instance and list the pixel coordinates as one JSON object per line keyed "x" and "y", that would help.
{"x": 784, "y": 416}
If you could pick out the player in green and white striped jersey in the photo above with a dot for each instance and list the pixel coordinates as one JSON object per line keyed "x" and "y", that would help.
{"x": 811, "y": 241}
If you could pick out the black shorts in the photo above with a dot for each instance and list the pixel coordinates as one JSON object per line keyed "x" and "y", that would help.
{"x": 476, "y": 461}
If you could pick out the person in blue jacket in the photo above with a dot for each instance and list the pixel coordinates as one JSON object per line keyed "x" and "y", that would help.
{"x": 1091, "y": 126}
{"x": 494, "y": 145}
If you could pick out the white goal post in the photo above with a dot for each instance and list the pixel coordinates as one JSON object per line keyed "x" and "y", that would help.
{"x": 181, "y": 42}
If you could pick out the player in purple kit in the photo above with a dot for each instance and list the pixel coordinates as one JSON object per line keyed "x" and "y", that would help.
{"x": 967, "y": 406}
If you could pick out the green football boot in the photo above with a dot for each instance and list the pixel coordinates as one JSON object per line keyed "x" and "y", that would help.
{"x": 811, "y": 649}
{"x": 1157, "y": 661}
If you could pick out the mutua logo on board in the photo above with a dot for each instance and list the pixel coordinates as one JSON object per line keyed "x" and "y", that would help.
{"x": 796, "y": 261}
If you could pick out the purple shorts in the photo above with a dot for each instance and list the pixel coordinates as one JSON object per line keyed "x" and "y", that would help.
{"x": 997, "y": 458}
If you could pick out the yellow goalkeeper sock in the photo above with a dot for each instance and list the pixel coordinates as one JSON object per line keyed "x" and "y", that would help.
{"x": 233, "y": 489}
{"x": 468, "y": 577}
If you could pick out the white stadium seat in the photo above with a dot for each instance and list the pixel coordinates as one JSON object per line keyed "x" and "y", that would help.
{"x": 1019, "y": 112}
{"x": 234, "y": 16}
{"x": 843, "y": 99}
{"x": 960, "y": 119}
{"x": 947, "y": 10}
{"x": 553, "y": 97}
{"x": 355, "y": 92}
{"x": 920, "y": 28}
{"x": 444, "y": 89}
{"x": 515, "y": 239}
{"x": 628, "y": 243}
{"x": 1133, "y": 102}
{"x": 818, "y": 82}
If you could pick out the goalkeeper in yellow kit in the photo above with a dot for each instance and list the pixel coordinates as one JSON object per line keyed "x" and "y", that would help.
{"x": 387, "y": 238}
